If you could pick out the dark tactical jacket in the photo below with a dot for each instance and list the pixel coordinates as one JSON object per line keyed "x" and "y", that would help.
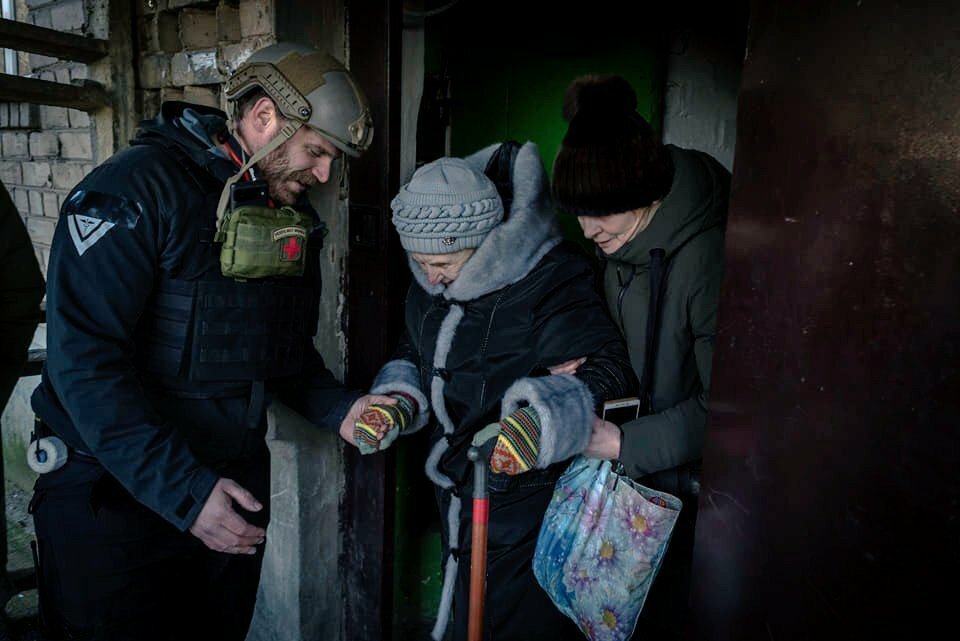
{"x": 158, "y": 366}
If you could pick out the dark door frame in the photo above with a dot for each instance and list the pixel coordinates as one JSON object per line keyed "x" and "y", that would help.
{"x": 375, "y": 279}
{"x": 369, "y": 33}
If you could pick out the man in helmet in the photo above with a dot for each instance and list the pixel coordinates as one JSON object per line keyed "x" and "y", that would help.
{"x": 183, "y": 298}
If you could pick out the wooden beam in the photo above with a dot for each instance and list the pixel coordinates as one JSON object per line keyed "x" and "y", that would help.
{"x": 121, "y": 85}
{"x": 87, "y": 96}
{"x": 50, "y": 42}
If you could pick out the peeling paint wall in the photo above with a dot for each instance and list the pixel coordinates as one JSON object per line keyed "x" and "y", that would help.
{"x": 703, "y": 81}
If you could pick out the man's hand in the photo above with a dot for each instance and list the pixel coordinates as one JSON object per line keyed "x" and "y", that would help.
{"x": 223, "y": 530}
{"x": 359, "y": 407}
{"x": 568, "y": 367}
{"x": 605, "y": 441}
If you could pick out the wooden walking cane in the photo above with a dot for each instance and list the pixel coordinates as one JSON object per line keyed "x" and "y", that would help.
{"x": 478, "y": 548}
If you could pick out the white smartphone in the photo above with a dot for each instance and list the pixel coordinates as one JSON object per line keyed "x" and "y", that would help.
{"x": 621, "y": 410}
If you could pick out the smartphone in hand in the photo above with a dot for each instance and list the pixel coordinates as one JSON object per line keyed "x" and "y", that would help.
{"x": 621, "y": 410}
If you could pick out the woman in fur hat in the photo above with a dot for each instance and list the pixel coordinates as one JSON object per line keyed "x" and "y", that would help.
{"x": 497, "y": 310}
{"x": 657, "y": 215}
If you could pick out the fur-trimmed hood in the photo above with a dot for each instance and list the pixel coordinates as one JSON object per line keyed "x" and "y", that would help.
{"x": 514, "y": 247}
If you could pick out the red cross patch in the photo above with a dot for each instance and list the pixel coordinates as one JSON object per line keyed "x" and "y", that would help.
{"x": 291, "y": 248}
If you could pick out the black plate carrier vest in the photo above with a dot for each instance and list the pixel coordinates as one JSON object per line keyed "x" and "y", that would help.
{"x": 213, "y": 336}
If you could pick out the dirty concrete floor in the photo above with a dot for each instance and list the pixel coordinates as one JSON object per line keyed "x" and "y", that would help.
{"x": 20, "y": 611}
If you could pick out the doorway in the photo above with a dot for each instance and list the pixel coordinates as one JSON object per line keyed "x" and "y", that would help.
{"x": 494, "y": 71}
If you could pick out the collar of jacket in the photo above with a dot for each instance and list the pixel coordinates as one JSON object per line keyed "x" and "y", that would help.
{"x": 517, "y": 244}
{"x": 165, "y": 130}
{"x": 696, "y": 202}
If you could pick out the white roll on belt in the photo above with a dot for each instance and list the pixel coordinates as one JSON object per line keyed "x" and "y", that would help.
{"x": 47, "y": 454}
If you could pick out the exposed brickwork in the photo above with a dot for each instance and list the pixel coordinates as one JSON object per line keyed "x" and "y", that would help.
{"x": 162, "y": 32}
{"x": 256, "y": 17}
{"x": 154, "y": 71}
{"x": 191, "y": 46}
{"x": 45, "y": 151}
{"x": 209, "y": 96}
{"x": 188, "y": 48}
{"x": 44, "y": 144}
{"x": 67, "y": 174}
{"x": 198, "y": 28}
{"x": 76, "y": 145}
{"x": 195, "y": 68}
{"x": 67, "y": 16}
{"x": 37, "y": 174}
{"x": 228, "y": 23}
{"x": 54, "y": 117}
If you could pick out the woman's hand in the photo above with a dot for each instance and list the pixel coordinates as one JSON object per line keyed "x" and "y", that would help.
{"x": 348, "y": 425}
{"x": 605, "y": 440}
{"x": 378, "y": 427}
{"x": 568, "y": 367}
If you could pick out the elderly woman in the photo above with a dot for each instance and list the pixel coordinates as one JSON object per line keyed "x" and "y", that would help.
{"x": 497, "y": 301}
{"x": 657, "y": 215}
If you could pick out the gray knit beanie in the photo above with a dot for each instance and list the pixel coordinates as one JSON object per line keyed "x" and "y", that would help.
{"x": 447, "y": 206}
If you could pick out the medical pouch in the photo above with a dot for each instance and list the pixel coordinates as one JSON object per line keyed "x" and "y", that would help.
{"x": 261, "y": 242}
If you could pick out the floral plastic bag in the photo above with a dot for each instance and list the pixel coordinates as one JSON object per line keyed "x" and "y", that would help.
{"x": 600, "y": 546}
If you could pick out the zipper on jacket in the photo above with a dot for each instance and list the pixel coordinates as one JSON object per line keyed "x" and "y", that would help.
{"x": 657, "y": 279}
{"x": 622, "y": 293}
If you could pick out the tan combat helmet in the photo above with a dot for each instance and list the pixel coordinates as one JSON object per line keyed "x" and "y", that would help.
{"x": 309, "y": 88}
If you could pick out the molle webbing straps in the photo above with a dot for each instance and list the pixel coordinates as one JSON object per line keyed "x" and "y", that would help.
{"x": 286, "y": 132}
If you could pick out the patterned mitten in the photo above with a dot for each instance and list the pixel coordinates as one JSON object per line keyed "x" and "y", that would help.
{"x": 378, "y": 427}
{"x": 519, "y": 442}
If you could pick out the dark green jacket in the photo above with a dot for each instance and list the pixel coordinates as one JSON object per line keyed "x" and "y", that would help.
{"x": 21, "y": 290}
{"x": 689, "y": 227}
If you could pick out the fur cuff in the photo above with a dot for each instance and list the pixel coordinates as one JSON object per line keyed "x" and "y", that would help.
{"x": 565, "y": 407}
{"x": 403, "y": 376}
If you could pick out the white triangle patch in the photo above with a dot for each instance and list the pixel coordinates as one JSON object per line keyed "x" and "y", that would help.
{"x": 84, "y": 223}
{"x": 85, "y": 231}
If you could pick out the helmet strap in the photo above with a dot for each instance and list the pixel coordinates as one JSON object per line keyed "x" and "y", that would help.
{"x": 286, "y": 133}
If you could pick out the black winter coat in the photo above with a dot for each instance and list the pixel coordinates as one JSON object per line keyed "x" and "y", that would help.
{"x": 552, "y": 315}
{"x": 21, "y": 290}
{"x": 477, "y": 349}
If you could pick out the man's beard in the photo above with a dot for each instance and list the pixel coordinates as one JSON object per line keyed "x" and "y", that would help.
{"x": 275, "y": 169}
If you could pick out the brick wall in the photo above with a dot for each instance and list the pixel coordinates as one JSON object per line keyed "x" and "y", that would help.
{"x": 187, "y": 49}
{"x": 44, "y": 151}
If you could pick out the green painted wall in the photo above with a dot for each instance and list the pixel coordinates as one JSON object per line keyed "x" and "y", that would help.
{"x": 509, "y": 64}
{"x": 518, "y": 94}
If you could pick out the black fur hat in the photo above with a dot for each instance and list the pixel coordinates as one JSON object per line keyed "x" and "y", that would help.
{"x": 610, "y": 160}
